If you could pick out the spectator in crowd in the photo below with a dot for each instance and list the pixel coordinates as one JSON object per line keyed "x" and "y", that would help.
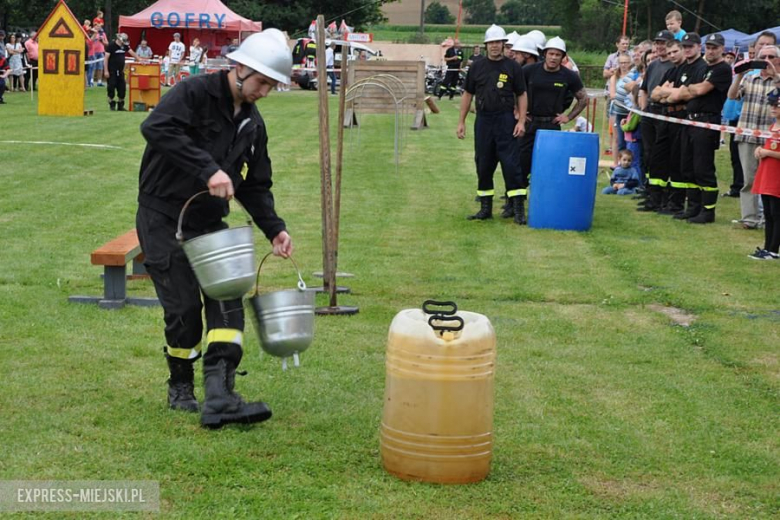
{"x": 767, "y": 183}
{"x": 225, "y": 49}
{"x": 730, "y": 57}
{"x": 176, "y": 51}
{"x": 91, "y": 40}
{"x": 4, "y": 73}
{"x": 625, "y": 179}
{"x": 476, "y": 54}
{"x": 233, "y": 45}
{"x": 611, "y": 65}
{"x": 3, "y": 52}
{"x": 330, "y": 64}
{"x": 196, "y": 57}
{"x": 753, "y": 90}
{"x": 620, "y": 85}
{"x": 31, "y": 47}
{"x": 144, "y": 51}
{"x": 15, "y": 50}
{"x": 87, "y": 25}
{"x": 674, "y": 22}
{"x": 99, "y": 50}
{"x": 98, "y": 19}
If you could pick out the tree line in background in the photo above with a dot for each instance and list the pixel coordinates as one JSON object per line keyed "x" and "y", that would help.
{"x": 293, "y": 16}
{"x": 588, "y": 24}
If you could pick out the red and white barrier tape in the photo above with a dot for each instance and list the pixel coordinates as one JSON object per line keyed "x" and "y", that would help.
{"x": 737, "y": 130}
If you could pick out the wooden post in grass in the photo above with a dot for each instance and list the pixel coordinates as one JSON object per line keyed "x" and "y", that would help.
{"x": 330, "y": 211}
{"x": 325, "y": 176}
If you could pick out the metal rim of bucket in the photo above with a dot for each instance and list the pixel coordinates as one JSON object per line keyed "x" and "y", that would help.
{"x": 301, "y": 283}
{"x": 180, "y": 233}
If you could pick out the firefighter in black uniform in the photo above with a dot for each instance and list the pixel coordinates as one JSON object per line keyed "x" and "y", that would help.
{"x": 653, "y": 135}
{"x": 549, "y": 87}
{"x": 499, "y": 86}
{"x": 453, "y": 58}
{"x": 666, "y": 187}
{"x": 704, "y": 96}
{"x": 114, "y": 70}
{"x": 207, "y": 134}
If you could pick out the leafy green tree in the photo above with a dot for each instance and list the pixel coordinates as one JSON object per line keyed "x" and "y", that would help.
{"x": 480, "y": 12}
{"x": 438, "y": 13}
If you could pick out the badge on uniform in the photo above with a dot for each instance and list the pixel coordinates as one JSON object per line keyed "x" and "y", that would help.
{"x": 501, "y": 79}
{"x": 500, "y": 84}
{"x": 773, "y": 146}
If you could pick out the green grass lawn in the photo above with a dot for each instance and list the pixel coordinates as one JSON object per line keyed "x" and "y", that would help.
{"x": 604, "y": 407}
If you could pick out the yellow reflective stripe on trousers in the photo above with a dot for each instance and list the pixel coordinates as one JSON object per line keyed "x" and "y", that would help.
{"x": 225, "y": 336}
{"x": 693, "y": 186}
{"x": 184, "y": 353}
{"x": 516, "y": 193}
{"x": 486, "y": 193}
{"x": 680, "y": 185}
{"x": 656, "y": 182}
{"x": 711, "y": 206}
{"x": 708, "y": 188}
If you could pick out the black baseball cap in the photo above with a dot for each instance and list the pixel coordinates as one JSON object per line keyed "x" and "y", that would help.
{"x": 663, "y": 36}
{"x": 715, "y": 39}
{"x": 691, "y": 39}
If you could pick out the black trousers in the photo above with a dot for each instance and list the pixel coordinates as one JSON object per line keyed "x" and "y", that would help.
{"x": 738, "y": 177}
{"x": 771, "y": 223}
{"x": 698, "y": 167}
{"x": 177, "y": 288}
{"x": 527, "y": 145}
{"x": 448, "y": 86}
{"x": 494, "y": 143}
{"x": 655, "y": 135}
{"x": 116, "y": 82}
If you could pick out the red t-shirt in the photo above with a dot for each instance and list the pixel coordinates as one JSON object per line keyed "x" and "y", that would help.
{"x": 767, "y": 181}
{"x": 97, "y": 20}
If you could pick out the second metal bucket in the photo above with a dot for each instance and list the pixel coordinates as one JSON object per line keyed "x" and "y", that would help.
{"x": 284, "y": 320}
{"x": 223, "y": 261}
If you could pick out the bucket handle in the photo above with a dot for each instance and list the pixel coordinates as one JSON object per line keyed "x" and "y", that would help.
{"x": 427, "y": 304}
{"x": 443, "y": 319}
{"x": 301, "y": 283}
{"x": 180, "y": 234}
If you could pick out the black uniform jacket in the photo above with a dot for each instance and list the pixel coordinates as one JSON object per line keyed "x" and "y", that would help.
{"x": 190, "y": 135}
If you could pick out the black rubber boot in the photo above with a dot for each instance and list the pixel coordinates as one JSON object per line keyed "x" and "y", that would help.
{"x": 120, "y": 106}
{"x": 507, "y": 210}
{"x": 707, "y": 213}
{"x": 222, "y": 405}
{"x": 181, "y": 388}
{"x": 485, "y": 211}
{"x": 112, "y": 105}
{"x": 694, "y": 204}
{"x": 653, "y": 201}
{"x": 518, "y": 206}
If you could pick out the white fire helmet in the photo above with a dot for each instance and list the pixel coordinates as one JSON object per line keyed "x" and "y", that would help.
{"x": 525, "y": 44}
{"x": 556, "y": 43}
{"x": 494, "y": 34}
{"x": 266, "y": 52}
{"x": 511, "y": 38}
{"x": 538, "y": 37}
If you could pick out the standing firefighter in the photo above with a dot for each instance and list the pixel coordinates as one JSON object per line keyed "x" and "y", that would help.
{"x": 207, "y": 133}
{"x": 550, "y": 90}
{"x": 499, "y": 86}
{"x": 453, "y": 58}
{"x": 114, "y": 70}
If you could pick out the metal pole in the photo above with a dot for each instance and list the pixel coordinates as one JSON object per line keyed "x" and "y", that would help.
{"x": 337, "y": 187}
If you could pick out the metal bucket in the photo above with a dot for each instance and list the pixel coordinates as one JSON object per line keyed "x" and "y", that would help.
{"x": 284, "y": 320}
{"x": 223, "y": 261}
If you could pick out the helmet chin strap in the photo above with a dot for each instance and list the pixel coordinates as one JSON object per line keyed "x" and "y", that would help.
{"x": 240, "y": 80}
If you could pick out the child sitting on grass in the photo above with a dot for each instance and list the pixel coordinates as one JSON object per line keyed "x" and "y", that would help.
{"x": 625, "y": 179}
{"x": 767, "y": 184}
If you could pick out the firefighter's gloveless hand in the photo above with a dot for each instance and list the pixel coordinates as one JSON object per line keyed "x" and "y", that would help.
{"x": 461, "y": 132}
{"x": 282, "y": 245}
{"x": 220, "y": 185}
{"x": 519, "y": 130}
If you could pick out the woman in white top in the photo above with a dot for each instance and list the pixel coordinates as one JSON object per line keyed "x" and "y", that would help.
{"x": 15, "y": 50}
{"x": 196, "y": 56}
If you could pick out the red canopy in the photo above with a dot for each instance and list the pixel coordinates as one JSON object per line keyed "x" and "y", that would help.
{"x": 209, "y": 20}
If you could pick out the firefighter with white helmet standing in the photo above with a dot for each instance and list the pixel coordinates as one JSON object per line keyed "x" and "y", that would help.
{"x": 499, "y": 86}
{"x": 525, "y": 50}
{"x": 207, "y": 134}
{"x": 550, "y": 86}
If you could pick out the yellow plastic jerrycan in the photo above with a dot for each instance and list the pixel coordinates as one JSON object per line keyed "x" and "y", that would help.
{"x": 437, "y": 424}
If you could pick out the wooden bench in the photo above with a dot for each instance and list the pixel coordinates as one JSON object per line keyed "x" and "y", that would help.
{"x": 114, "y": 257}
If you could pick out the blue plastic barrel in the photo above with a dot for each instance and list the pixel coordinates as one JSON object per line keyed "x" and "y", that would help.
{"x": 564, "y": 174}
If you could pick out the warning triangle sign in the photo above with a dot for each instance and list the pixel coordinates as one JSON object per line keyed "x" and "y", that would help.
{"x": 61, "y": 30}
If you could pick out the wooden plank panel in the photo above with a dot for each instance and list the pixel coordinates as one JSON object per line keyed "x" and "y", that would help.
{"x": 117, "y": 252}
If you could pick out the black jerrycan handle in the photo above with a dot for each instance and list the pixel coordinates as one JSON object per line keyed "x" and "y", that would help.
{"x": 427, "y": 304}
{"x": 446, "y": 328}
